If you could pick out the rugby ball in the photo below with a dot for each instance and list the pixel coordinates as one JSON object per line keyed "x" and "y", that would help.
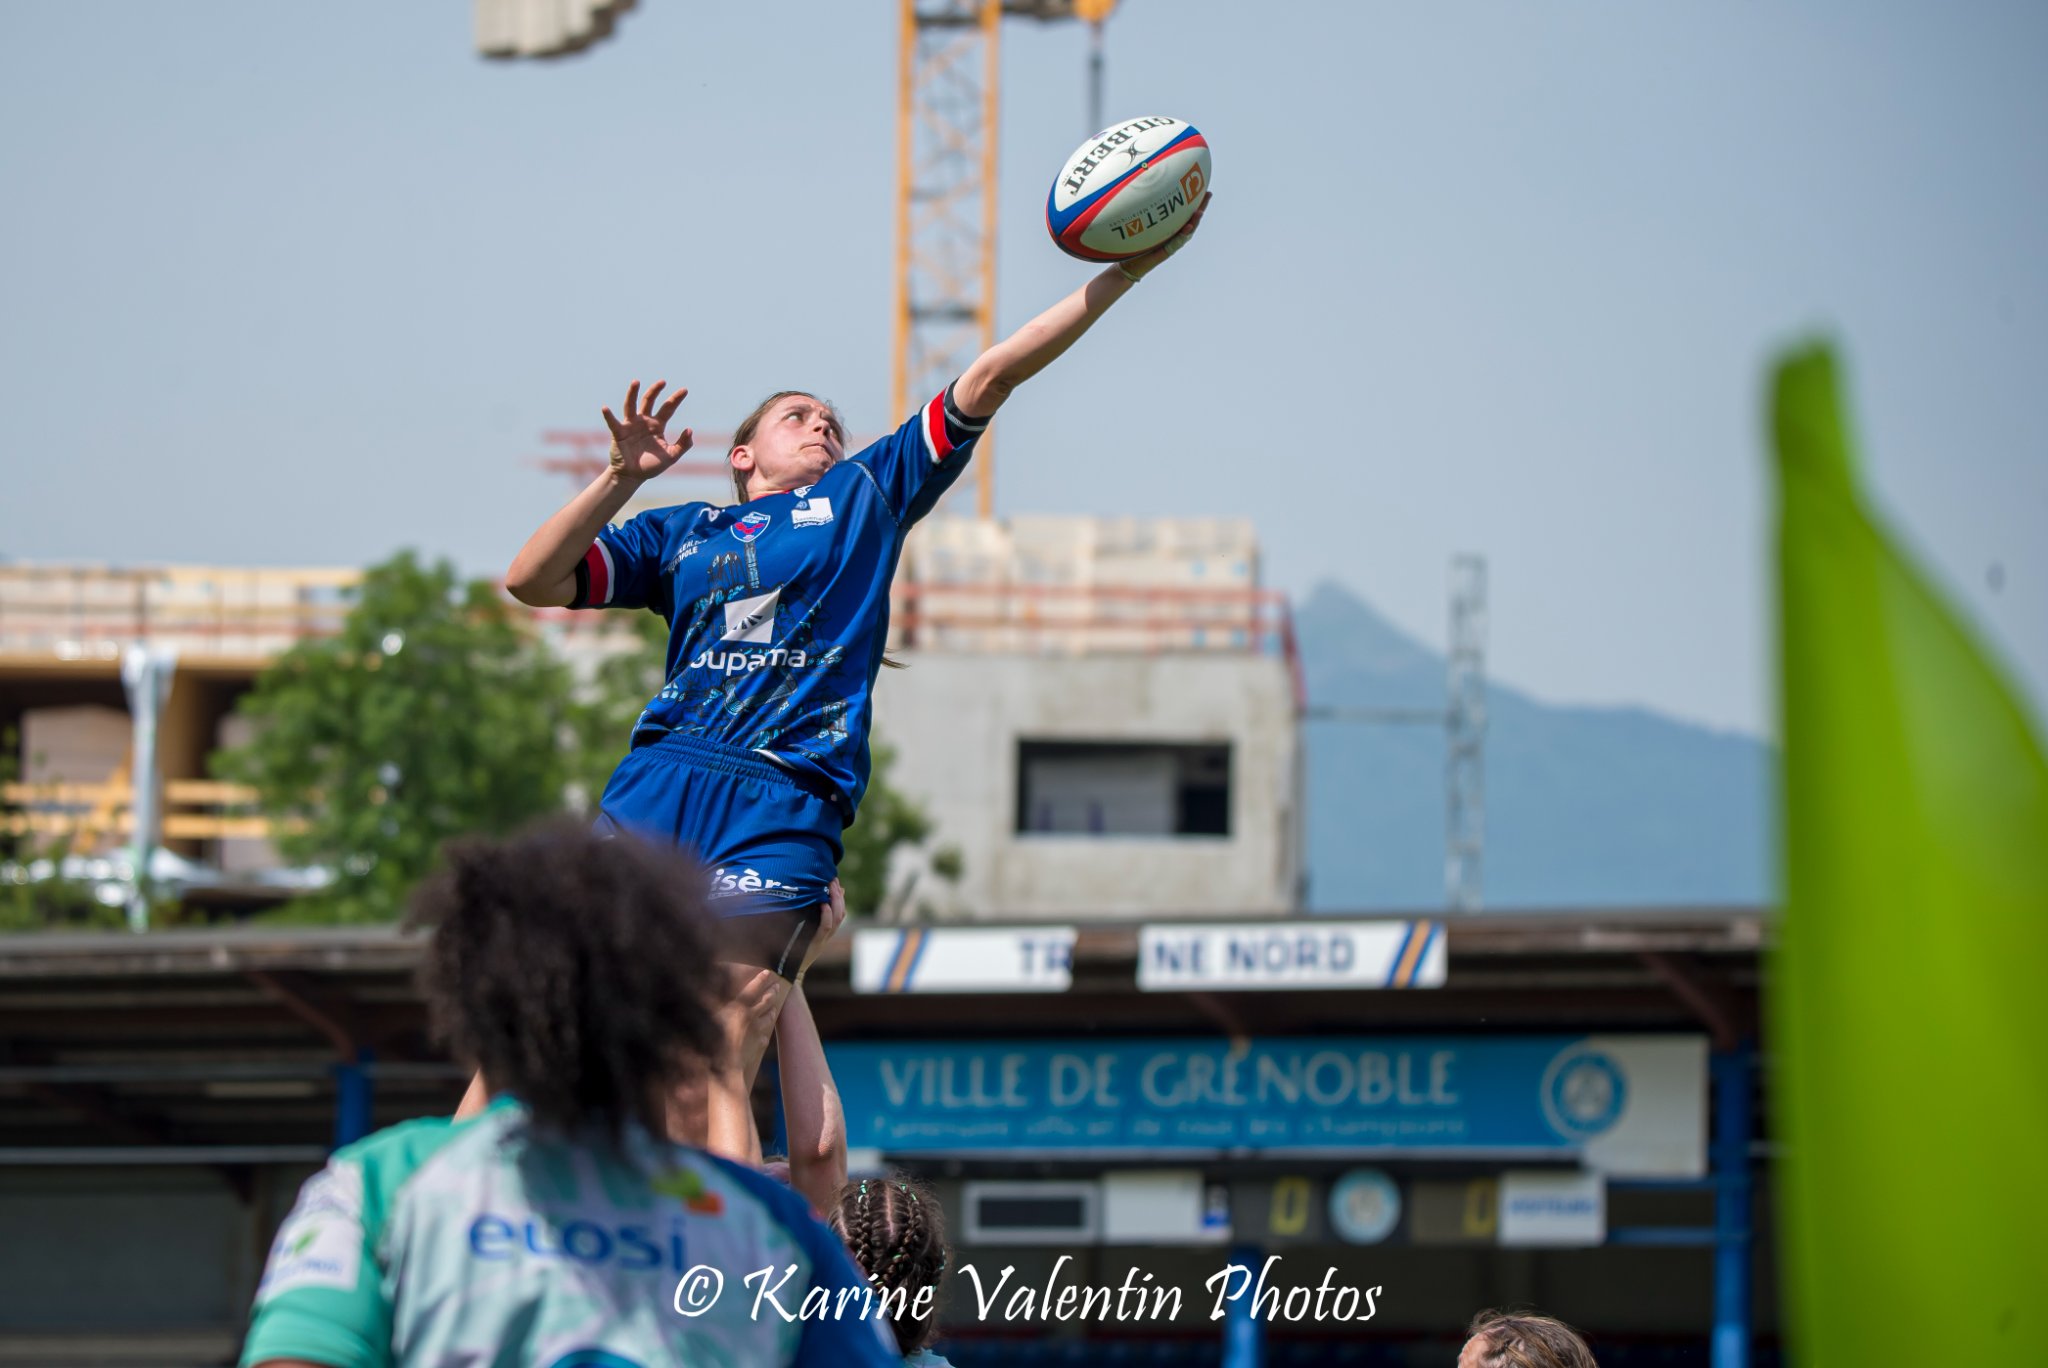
{"x": 1128, "y": 189}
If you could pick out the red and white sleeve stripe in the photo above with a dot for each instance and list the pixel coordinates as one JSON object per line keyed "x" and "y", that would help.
{"x": 946, "y": 429}
{"x": 597, "y": 565}
{"x": 937, "y": 441}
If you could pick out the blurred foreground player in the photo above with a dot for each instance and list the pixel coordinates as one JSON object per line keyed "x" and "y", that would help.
{"x": 554, "y": 1229}
{"x": 754, "y": 755}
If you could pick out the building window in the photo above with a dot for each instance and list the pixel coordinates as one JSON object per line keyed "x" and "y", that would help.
{"x": 1122, "y": 788}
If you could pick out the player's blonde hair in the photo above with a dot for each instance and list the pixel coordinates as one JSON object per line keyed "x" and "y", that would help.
{"x": 744, "y": 433}
{"x": 1520, "y": 1339}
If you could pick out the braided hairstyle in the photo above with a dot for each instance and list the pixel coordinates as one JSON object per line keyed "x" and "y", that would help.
{"x": 897, "y": 1233}
{"x": 575, "y": 972}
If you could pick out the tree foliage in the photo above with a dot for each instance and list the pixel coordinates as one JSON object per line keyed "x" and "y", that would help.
{"x": 601, "y": 724}
{"x": 436, "y": 711}
{"x": 887, "y": 819}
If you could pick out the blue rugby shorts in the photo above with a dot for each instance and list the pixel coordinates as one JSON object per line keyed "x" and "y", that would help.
{"x": 769, "y": 837}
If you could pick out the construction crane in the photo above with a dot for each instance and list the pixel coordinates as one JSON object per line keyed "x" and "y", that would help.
{"x": 946, "y": 144}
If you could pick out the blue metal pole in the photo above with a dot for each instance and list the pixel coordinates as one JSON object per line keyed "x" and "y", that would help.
{"x": 1733, "y": 1090}
{"x": 1244, "y": 1338}
{"x": 352, "y": 1096}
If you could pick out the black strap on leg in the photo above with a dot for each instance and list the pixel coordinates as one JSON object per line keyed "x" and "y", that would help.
{"x": 795, "y": 947}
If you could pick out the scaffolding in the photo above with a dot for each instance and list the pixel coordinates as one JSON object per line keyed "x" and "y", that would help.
{"x": 1465, "y": 739}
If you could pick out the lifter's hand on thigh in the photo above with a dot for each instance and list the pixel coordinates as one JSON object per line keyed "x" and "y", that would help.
{"x": 830, "y": 917}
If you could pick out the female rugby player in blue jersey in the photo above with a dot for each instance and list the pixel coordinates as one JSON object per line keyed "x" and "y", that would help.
{"x": 754, "y": 755}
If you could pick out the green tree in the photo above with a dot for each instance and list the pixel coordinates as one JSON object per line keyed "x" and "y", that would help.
{"x": 601, "y": 723}
{"x": 436, "y": 711}
{"x": 888, "y": 819}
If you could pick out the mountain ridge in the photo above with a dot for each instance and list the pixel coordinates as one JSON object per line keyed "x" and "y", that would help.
{"x": 1586, "y": 805}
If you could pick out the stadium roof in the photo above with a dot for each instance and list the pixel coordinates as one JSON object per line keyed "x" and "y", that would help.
{"x": 222, "y": 1046}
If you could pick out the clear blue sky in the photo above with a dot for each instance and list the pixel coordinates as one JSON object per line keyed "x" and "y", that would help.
{"x": 302, "y": 284}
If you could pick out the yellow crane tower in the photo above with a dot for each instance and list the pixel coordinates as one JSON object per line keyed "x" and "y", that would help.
{"x": 948, "y": 79}
{"x": 945, "y": 165}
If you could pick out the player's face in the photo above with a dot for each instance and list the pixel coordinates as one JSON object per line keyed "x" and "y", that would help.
{"x": 797, "y": 441}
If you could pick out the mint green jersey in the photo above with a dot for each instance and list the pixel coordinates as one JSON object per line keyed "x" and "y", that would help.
{"x": 480, "y": 1243}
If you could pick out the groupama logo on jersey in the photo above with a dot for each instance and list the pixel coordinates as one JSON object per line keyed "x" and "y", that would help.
{"x": 744, "y": 662}
{"x": 750, "y": 525}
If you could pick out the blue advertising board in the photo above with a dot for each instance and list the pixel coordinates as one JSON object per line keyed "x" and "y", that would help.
{"x": 1623, "y": 1104}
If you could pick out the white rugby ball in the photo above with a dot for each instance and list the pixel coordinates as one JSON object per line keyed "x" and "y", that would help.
{"x": 1128, "y": 189}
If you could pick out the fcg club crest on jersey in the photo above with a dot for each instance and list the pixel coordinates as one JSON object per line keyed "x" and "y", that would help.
{"x": 750, "y": 525}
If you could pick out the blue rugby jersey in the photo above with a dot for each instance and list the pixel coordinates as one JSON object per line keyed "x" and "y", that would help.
{"x": 778, "y": 609}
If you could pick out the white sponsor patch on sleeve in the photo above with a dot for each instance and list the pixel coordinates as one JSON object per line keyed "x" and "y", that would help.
{"x": 320, "y": 1243}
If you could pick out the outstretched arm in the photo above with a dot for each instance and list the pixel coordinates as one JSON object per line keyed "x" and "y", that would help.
{"x": 810, "y": 1107}
{"x": 543, "y": 574}
{"x": 1036, "y": 345}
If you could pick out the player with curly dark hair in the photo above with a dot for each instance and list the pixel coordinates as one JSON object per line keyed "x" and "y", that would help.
{"x": 593, "y": 1019}
{"x": 557, "y": 1225}
{"x": 897, "y": 1232}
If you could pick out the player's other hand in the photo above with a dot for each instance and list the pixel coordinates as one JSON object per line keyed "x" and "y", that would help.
{"x": 640, "y": 446}
{"x": 1152, "y": 260}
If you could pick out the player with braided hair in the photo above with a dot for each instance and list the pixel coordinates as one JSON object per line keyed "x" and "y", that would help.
{"x": 897, "y": 1232}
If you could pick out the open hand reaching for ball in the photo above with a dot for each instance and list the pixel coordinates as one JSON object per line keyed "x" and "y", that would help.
{"x": 640, "y": 446}
{"x": 1137, "y": 268}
